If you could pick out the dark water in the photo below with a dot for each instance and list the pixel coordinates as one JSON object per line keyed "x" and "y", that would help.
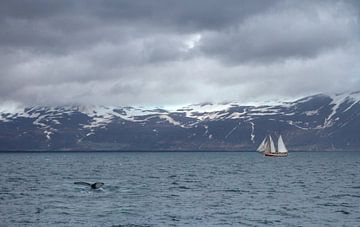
{"x": 180, "y": 189}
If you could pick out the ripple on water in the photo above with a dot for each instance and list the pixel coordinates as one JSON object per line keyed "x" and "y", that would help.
{"x": 180, "y": 189}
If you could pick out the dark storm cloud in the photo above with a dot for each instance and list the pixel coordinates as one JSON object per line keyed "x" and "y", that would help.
{"x": 65, "y": 24}
{"x": 167, "y": 51}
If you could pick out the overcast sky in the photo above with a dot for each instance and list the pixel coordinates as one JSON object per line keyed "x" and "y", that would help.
{"x": 171, "y": 52}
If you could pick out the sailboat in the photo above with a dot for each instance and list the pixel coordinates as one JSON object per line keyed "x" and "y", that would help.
{"x": 267, "y": 147}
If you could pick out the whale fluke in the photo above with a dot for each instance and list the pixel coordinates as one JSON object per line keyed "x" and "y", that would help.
{"x": 95, "y": 185}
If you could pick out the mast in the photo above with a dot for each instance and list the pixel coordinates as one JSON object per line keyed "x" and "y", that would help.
{"x": 281, "y": 146}
{"x": 272, "y": 145}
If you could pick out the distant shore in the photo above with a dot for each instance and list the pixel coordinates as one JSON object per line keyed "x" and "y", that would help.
{"x": 158, "y": 151}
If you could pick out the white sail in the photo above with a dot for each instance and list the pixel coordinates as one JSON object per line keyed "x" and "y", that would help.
{"x": 272, "y": 145}
{"x": 281, "y": 146}
{"x": 262, "y": 146}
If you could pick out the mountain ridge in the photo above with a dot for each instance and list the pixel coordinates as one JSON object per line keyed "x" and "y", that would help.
{"x": 317, "y": 122}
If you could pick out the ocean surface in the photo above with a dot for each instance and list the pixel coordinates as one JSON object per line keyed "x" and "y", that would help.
{"x": 180, "y": 189}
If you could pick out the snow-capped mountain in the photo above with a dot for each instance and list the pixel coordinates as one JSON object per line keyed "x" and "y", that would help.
{"x": 319, "y": 122}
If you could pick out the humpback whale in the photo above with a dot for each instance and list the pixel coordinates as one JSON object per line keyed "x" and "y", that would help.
{"x": 95, "y": 185}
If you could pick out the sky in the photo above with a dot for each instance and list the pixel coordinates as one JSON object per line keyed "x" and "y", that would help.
{"x": 170, "y": 52}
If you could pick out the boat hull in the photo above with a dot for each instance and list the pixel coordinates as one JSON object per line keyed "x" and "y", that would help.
{"x": 276, "y": 154}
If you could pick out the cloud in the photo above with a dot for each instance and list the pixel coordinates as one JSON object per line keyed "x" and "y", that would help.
{"x": 173, "y": 52}
{"x": 70, "y": 24}
{"x": 283, "y": 33}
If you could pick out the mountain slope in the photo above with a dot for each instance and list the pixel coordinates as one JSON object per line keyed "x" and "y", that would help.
{"x": 319, "y": 122}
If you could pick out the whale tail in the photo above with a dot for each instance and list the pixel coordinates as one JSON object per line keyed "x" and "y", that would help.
{"x": 97, "y": 185}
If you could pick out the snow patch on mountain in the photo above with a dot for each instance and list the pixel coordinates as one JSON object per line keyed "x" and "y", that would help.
{"x": 171, "y": 120}
{"x": 232, "y": 130}
{"x": 10, "y": 110}
{"x": 206, "y": 111}
{"x": 100, "y": 116}
{"x": 337, "y": 101}
{"x": 297, "y": 125}
{"x": 132, "y": 113}
{"x": 206, "y": 130}
{"x": 252, "y": 135}
{"x": 311, "y": 112}
{"x": 48, "y": 134}
{"x": 237, "y": 115}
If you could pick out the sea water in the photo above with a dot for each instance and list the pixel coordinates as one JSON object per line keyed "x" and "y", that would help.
{"x": 180, "y": 189}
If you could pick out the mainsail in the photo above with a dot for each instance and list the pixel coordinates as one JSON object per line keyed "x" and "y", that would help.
{"x": 281, "y": 146}
{"x": 272, "y": 145}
